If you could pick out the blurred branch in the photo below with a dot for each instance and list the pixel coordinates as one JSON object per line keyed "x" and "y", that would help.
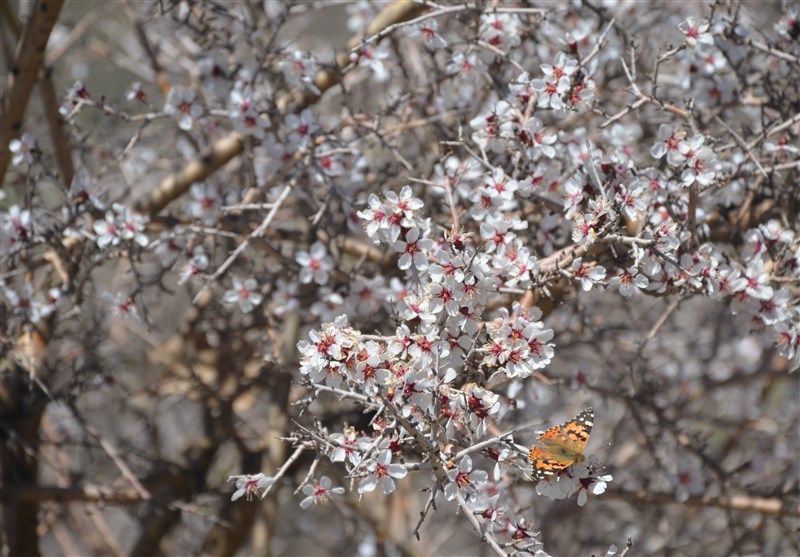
{"x": 763, "y": 505}
{"x": 232, "y": 145}
{"x": 24, "y": 74}
{"x": 50, "y": 104}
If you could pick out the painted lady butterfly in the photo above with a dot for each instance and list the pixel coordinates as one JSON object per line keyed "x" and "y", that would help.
{"x": 561, "y": 446}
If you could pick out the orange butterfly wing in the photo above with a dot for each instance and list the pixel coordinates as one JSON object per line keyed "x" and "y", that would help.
{"x": 561, "y": 446}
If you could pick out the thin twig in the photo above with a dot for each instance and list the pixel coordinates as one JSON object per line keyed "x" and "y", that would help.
{"x": 487, "y": 535}
{"x": 257, "y": 233}
{"x": 295, "y": 455}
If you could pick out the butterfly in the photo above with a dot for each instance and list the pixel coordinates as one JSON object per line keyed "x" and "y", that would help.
{"x": 561, "y": 446}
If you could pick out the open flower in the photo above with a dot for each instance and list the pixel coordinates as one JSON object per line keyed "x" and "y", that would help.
{"x": 628, "y": 281}
{"x": 23, "y": 149}
{"x": 315, "y": 264}
{"x": 182, "y": 104}
{"x": 382, "y": 472}
{"x": 245, "y": 293}
{"x": 319, "y": 492}
{"x": 695, "y": 32}
{"x": 249, "y": 485}
{"x": 464, "y": 478}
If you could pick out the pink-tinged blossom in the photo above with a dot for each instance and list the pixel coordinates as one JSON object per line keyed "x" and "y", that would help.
{"x": 787, "y": 339}
{"x": 486, "y": 201}
{"x": 482, "y": 407}
{"x": 521, "y": 90}
{"x": 551, "y": 93}
{"x": 301, "y": 129}
{"x": 588, "y": 275}
{"x": 412, "y": 390}
{"x": 448, "y": 267}
{"x": 374, "y": 57}
{"x": 538, "y": 140}
{"x": 416, "y": 306}
{"x": 427, "y": 32}
{"x": 131, "y": 225}
{"x": 462, "y": 63}
{"x": 135, "y": 92}
{"x": 669, "y": 142}
{"x": 464, "y": 479}
{"x": 23, "y": 149}
{"x": 182, "y": 104}
{"x": 758, "y": 286}
{"x": 213, "y": 71}
{"x": 500, "y": 30}
{"x": 15, "y": 228}
{"x": 496, "y": 231}
{"x": 375, "y": 218}
{"x": 625, "y": 138}
{"x": 562, "y": 66}
{"x": 404, "y": 209}
{"x": 367, "y": 295}
{"x": 27, "y": 305}
{"x": 329, "y": 354}
{"x": 315, "y": 264}
{"x": 628, "y": 281}
{"x": 488, "y": 125}
{"x": 699, "y": 161}
{"x": 206, "y": 201}
{"x": 119, "y": 224}
{"x": 729, "y": 281}
{"x": 520, "y": 530}
{"x": 81, "y": 192}
{"x": 300, "y": 71}
{"x": 518, "y": 343}
{"x": 270, "y": 157}
{"x": 443, "y": 297}
{"x": 381, "y": 472}
{"x": 21, "y": 300}
{"x": 489, "y": 511}
{"x": 370, "y": 365}
{"x": 773, "y": 232}
{"x": 76, "y": 98}
{"x": 284, "y": 297}
{"x": 573, "y": 198}
{"x": 347, "y": 446}
{"x": 503, "y": 185}
{"x": 245, "y": 116}
{"x": 586, "y": 228}
{"x": 122, "y": 305}
{"x": 712, "y": 61}
{"x": 426, "y": 347}
{"x": 585, "y": 477}
{"x": 775, "y": 309}
{"x": 633, "y": 201}
{"x": 250, "y": 485}
{"x": 688, "y": 479}
{"x": 195, "y": 266}
{"x": 781, "y": 149}
{"x": 319, "y": 492}
{"x": 592, "y": 477}
{"x": 328, "y": 304}
{"x": 245, "y": 293}
{"x": 514, "y": 264}
{"x": 787, "y": 27}
{"x": 412, "y": 249}
{"x": 106, "y": 230}
{"x": 695, "y": 32}
{"x": 168, "y": 248}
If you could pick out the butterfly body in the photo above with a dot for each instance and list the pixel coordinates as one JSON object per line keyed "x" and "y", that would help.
{"x": 561, "y": 446}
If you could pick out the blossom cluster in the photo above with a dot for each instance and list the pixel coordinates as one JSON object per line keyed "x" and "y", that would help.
{"x": 426, "y": 280}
